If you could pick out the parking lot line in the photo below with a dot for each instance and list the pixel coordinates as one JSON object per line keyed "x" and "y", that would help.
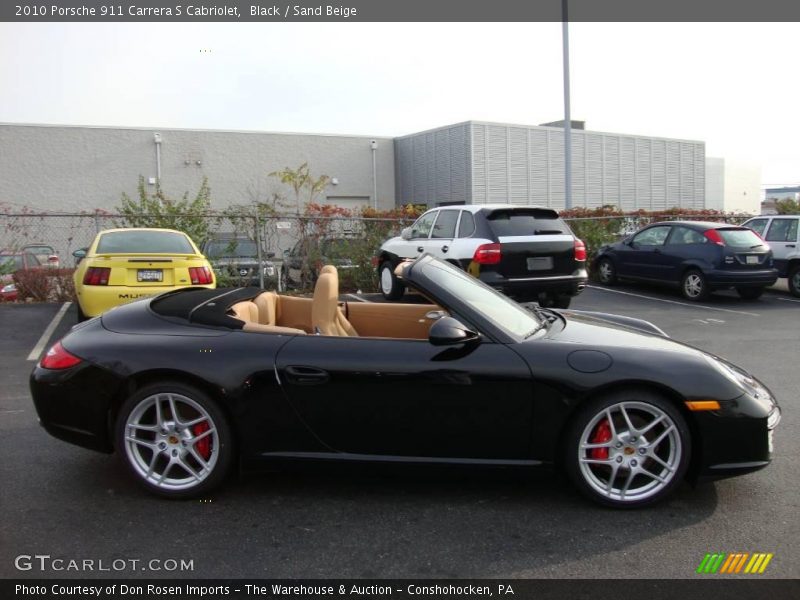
{"x": 786, "y": 299}
{"x": 728, "y": 310}
{"x": 359, "y": 298}
{"x": 37, "y": 349}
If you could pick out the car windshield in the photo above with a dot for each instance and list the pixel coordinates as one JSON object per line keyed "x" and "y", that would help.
{"x": 40, "y": 250}
{"x": 496, "y": 307}
{"x": 137, "y": 241}
{"x": 235, "y": 248}
{"x": 740, "y": 237}
{"x": 10, "y": 262}
{"x": 509, "y": 223}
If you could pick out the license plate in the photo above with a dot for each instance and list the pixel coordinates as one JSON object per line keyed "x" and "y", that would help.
{"x": 752, "y": 260}
{"x": 150, "y": 275}
{"x": 540, "y": 263}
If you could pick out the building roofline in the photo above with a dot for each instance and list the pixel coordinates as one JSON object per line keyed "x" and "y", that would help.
{"x": 196, "y": 130}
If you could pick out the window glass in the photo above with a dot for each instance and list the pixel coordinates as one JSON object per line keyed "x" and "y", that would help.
{"x": 684, "y": 236}
{"x": 783, "y": 230}
{"x": 523, "y": 222}
{"x": 467, "y": 225}
{"x": 740, "y": 237}
{"x": 11, "y": 262}
{"x": 232, "y": 248}
{"x": 758, "y": 225}
{"x": 655, "y": 236}
{"x": 445, "y": 226}
{"x": 144, "y": 242}
{"x": 422, "y": 227}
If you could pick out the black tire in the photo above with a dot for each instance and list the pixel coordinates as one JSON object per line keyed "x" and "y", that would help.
{"x": 631, "y": 453}
{"x": 391, "y": 287}
{"x": 794, "y": 280}
{"x": 606, "y": 271}
{"x": 750, "y": 293}
{"x": 144, "y": 457}
{"x": 81, "y": 315}
{"x": 694, "y": 286}
{"x": 562, "y": 301}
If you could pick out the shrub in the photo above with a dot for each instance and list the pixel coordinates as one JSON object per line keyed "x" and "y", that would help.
{"x": 45, "y": 285}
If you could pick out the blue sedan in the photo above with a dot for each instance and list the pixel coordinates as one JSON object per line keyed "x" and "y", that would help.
{"x": 697, "y": 257}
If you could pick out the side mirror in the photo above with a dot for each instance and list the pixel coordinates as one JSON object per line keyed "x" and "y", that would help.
{"x": 628, "y": 241}
{"x": 80, "y": 254}
{"x": 285, "y": 253}
{"x": 406, "y": 233}
{"x": 448, "y": 331}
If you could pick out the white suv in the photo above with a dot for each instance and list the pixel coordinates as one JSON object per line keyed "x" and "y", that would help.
{"x": 526, "y": 252}
{"x": 782, "y": 233}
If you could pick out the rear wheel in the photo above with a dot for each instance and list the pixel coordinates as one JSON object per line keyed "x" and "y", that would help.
{"x": 606, "y": 272}
{"x": 750, "y": 293}
{"x": 794, "y": 280}
{"x": 562, "y": 301}
{"x": 391, "y": 287}
{"x": 174, "y": 440}
{"x": 694, "y": 286}
{"x": 628, "y": 449}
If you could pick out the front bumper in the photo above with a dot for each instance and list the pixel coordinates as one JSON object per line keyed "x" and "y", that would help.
{"x": 760, "y": 278}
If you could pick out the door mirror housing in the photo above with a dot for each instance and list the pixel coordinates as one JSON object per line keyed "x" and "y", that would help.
{"x": 80, "y": 254}
{"x": 406, "y": 233}
{"x": 448, "y": 331}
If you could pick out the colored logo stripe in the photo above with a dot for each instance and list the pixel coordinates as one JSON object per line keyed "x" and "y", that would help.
{"x": 721, "y": 562}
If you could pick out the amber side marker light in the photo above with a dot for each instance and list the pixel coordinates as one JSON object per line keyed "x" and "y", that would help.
{"x": 695, "y": 405}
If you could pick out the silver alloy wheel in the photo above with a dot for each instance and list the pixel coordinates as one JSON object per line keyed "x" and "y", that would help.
{"x": 795, "y": 282}
{"x": 693, "y": 285}
{"x": 161, "y": 437}
{"x": 638, "y": 459}
{"x": 606, "y": 271}
{"x": 386, "y": 281}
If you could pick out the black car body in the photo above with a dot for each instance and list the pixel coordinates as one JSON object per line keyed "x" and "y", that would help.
{"x": 235, "y": 259}
{"x": 590, "y": 393}
{"x": 527, "y": 252}
{"x": 697, "y": 257}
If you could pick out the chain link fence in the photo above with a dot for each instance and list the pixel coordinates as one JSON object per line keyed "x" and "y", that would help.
{"x": 294, "y": 245}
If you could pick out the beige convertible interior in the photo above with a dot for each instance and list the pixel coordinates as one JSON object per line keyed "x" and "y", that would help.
{"x": 324, "y": 314}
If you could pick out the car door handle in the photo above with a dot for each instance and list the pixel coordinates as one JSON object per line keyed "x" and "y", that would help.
{"x": 790, "y": 245}
{"x": 445, "y": 248}
{"x": 306, "y": 375}
{"x": 420, "y": 249}
{"x": 656, "y": 250}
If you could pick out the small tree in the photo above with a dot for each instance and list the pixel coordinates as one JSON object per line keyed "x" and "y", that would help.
{"x": 304, "y": 185}
{"x": 787, "y": 206}
{"x": 158, "y": 210}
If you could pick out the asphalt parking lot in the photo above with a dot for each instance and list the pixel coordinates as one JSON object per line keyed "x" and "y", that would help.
{"x": 63, "y": 501}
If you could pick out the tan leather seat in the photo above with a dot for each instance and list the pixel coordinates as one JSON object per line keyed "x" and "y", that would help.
{"x": 246, "y": 311}
{"x": 326, "y": 315}
{"x": 267, "y": 304}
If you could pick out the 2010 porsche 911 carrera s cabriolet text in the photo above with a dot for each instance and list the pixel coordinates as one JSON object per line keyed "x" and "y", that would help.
{"x": 187, "y": 384}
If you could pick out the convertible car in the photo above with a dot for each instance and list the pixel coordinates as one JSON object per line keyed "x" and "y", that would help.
{"x": 188, "y": 384}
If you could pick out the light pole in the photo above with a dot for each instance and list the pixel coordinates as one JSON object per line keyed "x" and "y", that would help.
{"x": 567, "y": 117}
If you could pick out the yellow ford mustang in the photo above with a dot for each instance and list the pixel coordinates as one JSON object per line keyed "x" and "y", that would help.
{"x": 123, "y": 265}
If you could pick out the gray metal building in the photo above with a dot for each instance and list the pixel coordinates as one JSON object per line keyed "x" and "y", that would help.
{"x": 70, "y": 168}
{"x": 477, "y": 163}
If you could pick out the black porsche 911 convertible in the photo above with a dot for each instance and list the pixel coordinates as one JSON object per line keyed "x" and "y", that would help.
{"x": 185, "y": 385}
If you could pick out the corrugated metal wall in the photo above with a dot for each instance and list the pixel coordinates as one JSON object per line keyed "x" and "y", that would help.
{"x": 487, "y": 162}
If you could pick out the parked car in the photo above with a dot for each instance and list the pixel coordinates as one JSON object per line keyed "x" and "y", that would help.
{"x": 235, "y": 258}
{"x": 527, "y": 252}
{"x": 10, "y": 263}
{"x": 697, "y": 257}
{"x": 782, "y": 233}
{"x": 123, "y": 265}
{"x": 45, "y": 253}
{"x": 593, "y": 394}
{"x": 310, "y": 254}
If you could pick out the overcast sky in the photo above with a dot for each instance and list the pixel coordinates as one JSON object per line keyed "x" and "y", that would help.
{"x": 734, "y": 86}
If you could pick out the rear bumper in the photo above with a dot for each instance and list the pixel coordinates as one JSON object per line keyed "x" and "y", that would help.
{"x": 530, "y": 287}
{"x": 760, "y": 278}
{"x": 96, "y": 299}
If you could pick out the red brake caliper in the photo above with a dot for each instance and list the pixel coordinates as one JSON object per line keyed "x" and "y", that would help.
{"x": 204, "y": 446}
{"x": 601, "y": 435}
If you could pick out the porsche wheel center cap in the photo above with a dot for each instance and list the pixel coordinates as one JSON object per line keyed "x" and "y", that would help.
{"x": 628, "y": 450}
{"x": 174, "y": 440}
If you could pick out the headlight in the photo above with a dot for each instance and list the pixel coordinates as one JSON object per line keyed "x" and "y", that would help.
{"x": 743, "y": 379}
{"x": 7, "y": 289}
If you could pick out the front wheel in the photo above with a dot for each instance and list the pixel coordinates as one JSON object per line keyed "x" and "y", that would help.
{"x": 627, "y": 449}
{"x": 694, "y": 286}
{"x": 794, "y": 281}
{"x": 174, "y": 440}
{"x": 391, "y": 287}
{"x": 750, "y": 293}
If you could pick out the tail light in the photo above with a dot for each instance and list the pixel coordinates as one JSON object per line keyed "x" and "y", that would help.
{"x": 58, "y": 358}
{"x": 52, "y": 259}
{"x": 713, "y": 236}
{"x": 487, "y": 254}
{"x": 96, "y": 276}
{"x": 580, "y": 250}
{"x": 200, "y": 275}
